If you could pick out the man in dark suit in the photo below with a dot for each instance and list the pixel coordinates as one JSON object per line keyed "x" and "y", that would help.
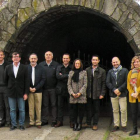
{"x": 16, "y": 78}
{"x": 49, "y": 94}
{"x": 4, "y": 105}
{"x": 37, "y": 78}
{"x": 62, "y": 73}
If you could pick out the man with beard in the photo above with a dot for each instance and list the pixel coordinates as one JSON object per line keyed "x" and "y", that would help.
{"x": 117, "y": 83}
{"x": 36, "y": 79}
{"x": 49, "y": 94}
{"x": 61, "y": 89}
{"x": 95, "y": 91}
{"x": 4, "y": 105}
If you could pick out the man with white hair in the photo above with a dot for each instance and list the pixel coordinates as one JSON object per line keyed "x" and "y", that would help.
{"x": 49, "y": 94}
{"x": 117, "y": 83}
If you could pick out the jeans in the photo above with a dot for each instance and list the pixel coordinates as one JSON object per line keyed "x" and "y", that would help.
{"x": 21, "y": 106}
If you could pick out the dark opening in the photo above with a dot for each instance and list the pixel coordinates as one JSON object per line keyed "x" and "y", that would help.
{"x": 79, "y": 32}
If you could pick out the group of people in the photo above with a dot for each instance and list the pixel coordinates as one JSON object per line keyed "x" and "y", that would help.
{"x": 48, "y": 85}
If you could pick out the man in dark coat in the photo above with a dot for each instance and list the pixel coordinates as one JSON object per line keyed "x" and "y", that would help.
{"x": 62, "y": 73}
{"x": 4, "y": 105}
{"x": 49, "y": 94}
{"x": 96, "y": 89}
{"x": 37, "y": 78}
{"x": 16, "y": 78}
{"x": 116, "y": 81}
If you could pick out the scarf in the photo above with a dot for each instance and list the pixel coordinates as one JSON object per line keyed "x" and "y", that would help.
{"x": 116, "y": 70}
{"x": 75, "y": 76}
{"x": 134, "y": 76}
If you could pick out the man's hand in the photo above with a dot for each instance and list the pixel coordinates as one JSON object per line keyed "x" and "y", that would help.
{"x": 135, "y": 95}
{"x": 32, "y": 89}
{"x": 25, "y": 97}
{"x": 116, "y": 91}
{"x": 101, "y": 97}
{"x": 119, "y": 94}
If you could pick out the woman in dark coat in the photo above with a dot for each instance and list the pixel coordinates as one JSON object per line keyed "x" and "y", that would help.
{"x": 77, "y": 84}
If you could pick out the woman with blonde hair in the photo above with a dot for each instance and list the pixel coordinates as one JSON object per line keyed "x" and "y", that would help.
{"x": 133, "y": 86}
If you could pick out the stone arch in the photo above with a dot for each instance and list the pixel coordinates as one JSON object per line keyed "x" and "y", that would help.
{"x": 17, "y": 14}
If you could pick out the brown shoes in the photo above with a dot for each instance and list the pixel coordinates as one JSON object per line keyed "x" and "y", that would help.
{"x": 38, "y": 126}
{"x": 59, "y": 124}
{"x": 85, "y": 125}
{"x": 95, "y": 127}
{"x": 29, "y": 126}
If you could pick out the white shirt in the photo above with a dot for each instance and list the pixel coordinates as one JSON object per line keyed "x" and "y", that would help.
{"x": 93, "y": 69}
{"x": 15, "y": 69}
{"x": 33, "y": 75}
{"x": 49, "y": 63}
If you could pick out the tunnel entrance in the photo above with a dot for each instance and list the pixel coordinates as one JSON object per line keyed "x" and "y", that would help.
{"x": 81, "y": 33}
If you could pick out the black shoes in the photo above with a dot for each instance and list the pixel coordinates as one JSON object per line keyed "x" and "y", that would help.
{"x": 12, "y": 128}
{"x": 44, "y": 123}
{"x": 77, "y": 127}
{"x": 134, "y": 132}
{"x": 53, "y": 124}
{"x": 21, "y": 128}
{"x": 115, "y": 128}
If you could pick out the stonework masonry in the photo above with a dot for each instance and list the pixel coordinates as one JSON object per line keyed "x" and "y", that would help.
{"x": 15, "y": 13}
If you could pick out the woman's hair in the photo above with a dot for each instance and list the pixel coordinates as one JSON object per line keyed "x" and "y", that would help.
{"x": 133, "y": 60}
{"x": 81, "y": 64}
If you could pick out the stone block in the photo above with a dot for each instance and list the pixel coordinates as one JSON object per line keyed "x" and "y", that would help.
{"x": 99, "y": 5}
{"x": 69, "y": 2}
{"x": 30, "y": 11}
{"x": 90, "y": 3}
{"x": 53, "y": 3}
{"x": 3, "y": 25}
{"x": 18, "y": 23}
{"x": 76, "y": 2}
{"x": 137, "y": 38}
{"x": 128, "y": 23}
{"x": 128, "y": 2}
{"x": 3, "y": 44}
{"x": 10, "y": 28}
{"x": 117, "y": 14}
{"x": 82, "y": 2}
{"x": 5, "y": 35}
{"x": 38, "y": 6}
{"x": 132, "y": 30}
{"x": 13, "y": 21}
{"x": 1, "y": 17}
{"x": 13, "y": 6}
{"x": 136, "y": 16}
{"x": 122, "y": 6}
{"x": 137, "y": 25}
{"x": 124, "y": 17}
{"x": 25, "y": 4}
{"x": 109, "y": 6}
{"x": 47, "y": 4}
{"x": 61, "y": 2}
{"x": 22, "y": 15}
{"x": 7, "y": 14}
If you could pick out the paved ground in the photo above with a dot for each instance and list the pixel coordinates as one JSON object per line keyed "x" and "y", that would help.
{"x": 66, "y": 133}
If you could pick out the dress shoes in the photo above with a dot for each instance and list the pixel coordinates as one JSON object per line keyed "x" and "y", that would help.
{"x": 85, "y": 125}
{"x": 53, "y": 124}
{"x": 134, "y": 132}
{"x": 59, "y": 124}
{"x": 29, "y": 126}
{"x": 95, "y": 127}
{"x": 38, "y": 126}
{"x": 71, "y": 125}
{"x": 79, "y": 127}
{"x": 75, "y": 127}
{"x": 44, "y": 123}
{"x": 12, "y": 128}
{"x": 21, "y": 128}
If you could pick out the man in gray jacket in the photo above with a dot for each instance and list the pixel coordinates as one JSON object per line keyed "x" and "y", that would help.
{"x": 117, "y": 83}
{"x": 95, "y": 91}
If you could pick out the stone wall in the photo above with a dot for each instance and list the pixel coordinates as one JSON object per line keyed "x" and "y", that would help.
{"x": 125, "y": 13}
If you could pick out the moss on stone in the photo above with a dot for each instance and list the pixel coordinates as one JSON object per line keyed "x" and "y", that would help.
{"x": 22, "y": 15}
